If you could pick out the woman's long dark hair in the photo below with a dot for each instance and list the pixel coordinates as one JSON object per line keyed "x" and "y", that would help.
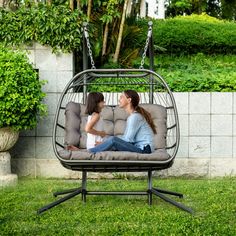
{"x": 135, "y": 103}
{"x": 92, "y": 102}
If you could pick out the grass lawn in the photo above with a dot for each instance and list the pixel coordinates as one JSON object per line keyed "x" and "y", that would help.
{"x": 214, "y": 203}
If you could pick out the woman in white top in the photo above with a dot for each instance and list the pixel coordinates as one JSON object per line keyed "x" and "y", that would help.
{"x": 94, "y": 126}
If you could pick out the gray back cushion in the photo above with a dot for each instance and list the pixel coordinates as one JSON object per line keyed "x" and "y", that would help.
{"x": 72, "y": 124}
{"x": 114, "y": 123}
{"x": 159, "y": 116}
{"x": 76, "y": 120}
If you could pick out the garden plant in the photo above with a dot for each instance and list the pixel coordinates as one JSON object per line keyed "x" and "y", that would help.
{"x": 20, "y": 91}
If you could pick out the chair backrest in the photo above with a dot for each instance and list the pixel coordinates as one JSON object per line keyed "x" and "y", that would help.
{"x": 114, "y": 123}
{"x": 151, "y": 87}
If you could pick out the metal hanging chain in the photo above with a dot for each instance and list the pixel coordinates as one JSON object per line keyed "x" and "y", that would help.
{"x": 86, "y": 35}
{"x": 149, "y": 35}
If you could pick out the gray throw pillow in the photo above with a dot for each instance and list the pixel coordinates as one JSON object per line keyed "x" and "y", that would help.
{"x": 72, "y": 124}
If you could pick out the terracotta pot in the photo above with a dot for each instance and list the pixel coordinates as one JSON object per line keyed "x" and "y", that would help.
{"x": 8, "y": 138}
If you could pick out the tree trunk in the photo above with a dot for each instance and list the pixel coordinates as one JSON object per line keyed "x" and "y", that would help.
{"x": 89, "y": 9}
{"x": 113, "y": 28}
{"x": 129, "y": 8}
{"x": 117, "y": 52}
{"x": 72, "y": 4}
{"x": 78, "y": 4}
{"x": 105, "y": 36}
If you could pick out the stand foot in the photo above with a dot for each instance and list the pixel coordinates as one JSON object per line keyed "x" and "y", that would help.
{"x": 180, "y": 195}
{"x": 64, "y": 192}
{"x": 59, "y": 201}
{"x": 177, "y": 204}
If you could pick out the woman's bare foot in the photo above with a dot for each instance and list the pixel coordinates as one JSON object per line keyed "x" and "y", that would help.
{"x": 72, "y": 148}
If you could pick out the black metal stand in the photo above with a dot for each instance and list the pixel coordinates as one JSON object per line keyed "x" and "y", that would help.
{"x": 82, "y": 190}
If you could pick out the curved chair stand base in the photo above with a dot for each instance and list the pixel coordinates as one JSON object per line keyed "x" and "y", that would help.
{"x": 151, "y": 191}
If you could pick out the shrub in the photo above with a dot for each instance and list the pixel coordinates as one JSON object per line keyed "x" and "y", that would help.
{"x": 197, "y": 73}
{"x": 200, "y": 73}
{"x": 193, "y": 34}
{"x": 56, "y": 26}
{"x": 20, "y": 91}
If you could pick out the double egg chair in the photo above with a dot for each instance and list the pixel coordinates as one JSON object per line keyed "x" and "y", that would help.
{"x": 70, "y": 120}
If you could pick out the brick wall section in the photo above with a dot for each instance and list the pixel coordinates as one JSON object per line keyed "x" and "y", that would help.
{"x": 208, "y": 130}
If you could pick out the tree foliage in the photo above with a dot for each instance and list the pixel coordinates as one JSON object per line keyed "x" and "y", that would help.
{"x": 223, "y": 9}
{"x": 46, "y": 25}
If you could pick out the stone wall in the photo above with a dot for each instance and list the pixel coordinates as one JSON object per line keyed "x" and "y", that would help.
{"x": 33, "y": 154}
{"x": 208, "y": 134}
{"x": 207, "y": 125}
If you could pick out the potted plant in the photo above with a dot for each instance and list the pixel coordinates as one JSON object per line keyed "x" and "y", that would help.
{"x": 20, "y": 104}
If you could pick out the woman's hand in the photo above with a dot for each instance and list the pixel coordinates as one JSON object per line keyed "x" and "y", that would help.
{"x": 97, "y": 143}
{"x": 102, "y": 134}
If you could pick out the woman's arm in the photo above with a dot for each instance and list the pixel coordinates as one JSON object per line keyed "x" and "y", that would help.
{"x": 89, "y": 126}
{"x": 133, "y": 125}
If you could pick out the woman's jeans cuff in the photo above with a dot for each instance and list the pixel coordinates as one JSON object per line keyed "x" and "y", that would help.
{"x": 147, "y": 149}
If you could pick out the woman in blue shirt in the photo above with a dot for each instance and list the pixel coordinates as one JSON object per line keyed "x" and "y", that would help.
{"x": 139, "y": 132}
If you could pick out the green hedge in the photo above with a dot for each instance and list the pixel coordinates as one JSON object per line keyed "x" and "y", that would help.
{"x": 191, "y": 73}
{"x": 197, "y": 73}
{"x": 193, "y": 34}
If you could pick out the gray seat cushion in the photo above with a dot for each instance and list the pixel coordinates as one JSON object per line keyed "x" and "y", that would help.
{"x": 157, "y": 155}
{"x": 115, "y": 122}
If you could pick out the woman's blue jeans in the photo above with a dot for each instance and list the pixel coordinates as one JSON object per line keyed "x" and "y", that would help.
{"x": 116, "y": 144}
